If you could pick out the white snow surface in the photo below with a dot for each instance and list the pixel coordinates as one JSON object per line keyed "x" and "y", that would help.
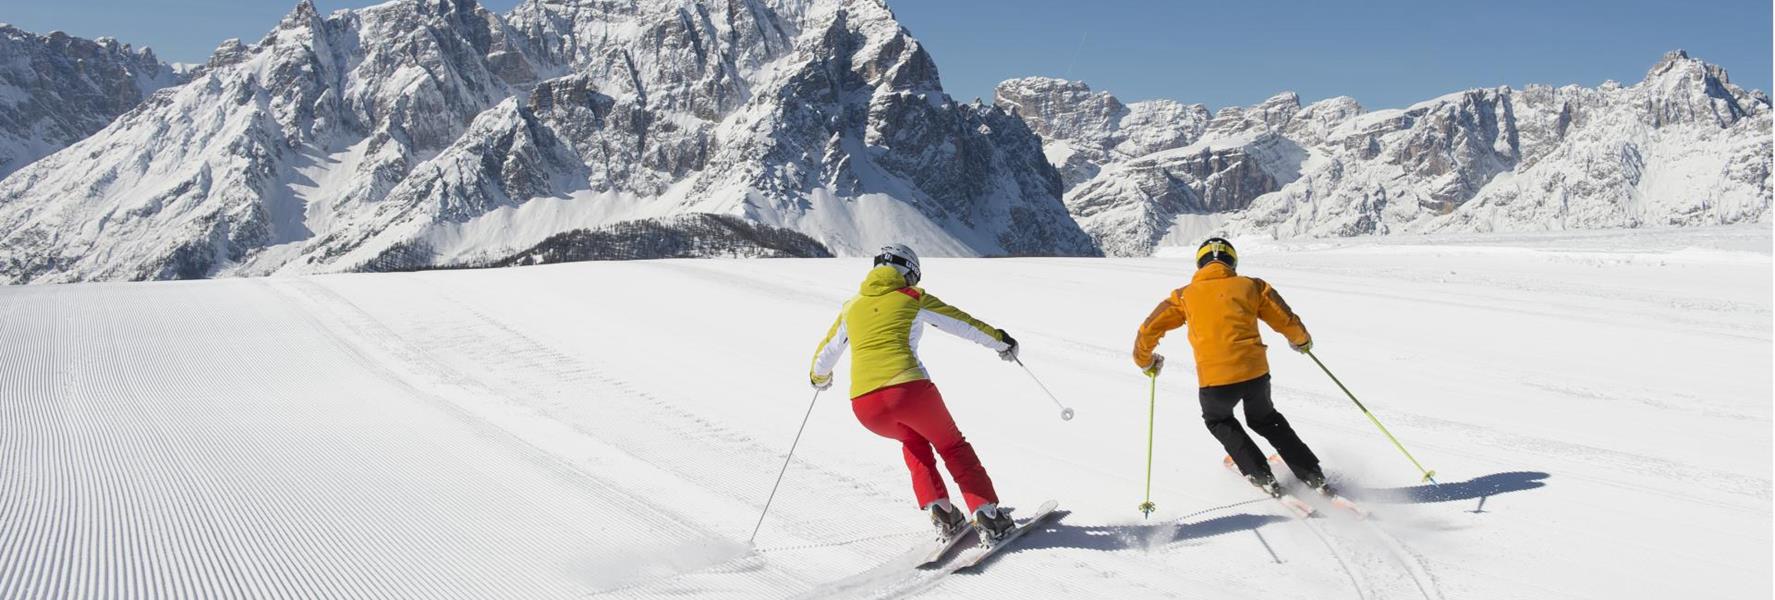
{"x": 1597, "y": 405}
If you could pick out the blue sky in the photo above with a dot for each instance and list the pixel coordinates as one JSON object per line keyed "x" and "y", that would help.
{"x": 1385, "y": 53}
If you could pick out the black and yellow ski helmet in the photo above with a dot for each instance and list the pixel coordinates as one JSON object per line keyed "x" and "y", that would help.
{"x": 1217, "y": 249}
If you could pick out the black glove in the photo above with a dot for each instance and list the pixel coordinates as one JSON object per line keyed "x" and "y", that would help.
{"x": 1008, "y": 354}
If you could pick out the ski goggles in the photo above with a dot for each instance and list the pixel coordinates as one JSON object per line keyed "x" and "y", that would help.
{"x": 1216, "y": 250}
{"x": 900, "y": 261}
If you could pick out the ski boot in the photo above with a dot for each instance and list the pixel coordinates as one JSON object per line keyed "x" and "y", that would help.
{"x": 948, "y": 519}
{"x": 992, "y": 524}
{"x": 1267, "y": 483}
{"x": 1317, "y": 482}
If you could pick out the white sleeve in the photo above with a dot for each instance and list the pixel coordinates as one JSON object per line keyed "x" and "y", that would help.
{"x": 827, "y": 359}
{"x": 960, "y": 329}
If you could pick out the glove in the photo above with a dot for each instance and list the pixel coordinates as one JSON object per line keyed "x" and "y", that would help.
{"x": 820, "y": 382}
{"x": 1008, "y": 354}
{"x": 1158, "y": 365}
{"x": 1303, "y": 347}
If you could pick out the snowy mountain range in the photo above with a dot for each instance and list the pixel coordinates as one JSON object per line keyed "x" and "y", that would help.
{"x": 56, "y": 90}
{"x": 422, "y": 133}
{"x": 435, "y": 133}
{"x": 1682, "y": 147}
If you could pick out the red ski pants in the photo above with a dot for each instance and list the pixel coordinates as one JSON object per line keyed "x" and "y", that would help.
{"x": 913, "y": 413}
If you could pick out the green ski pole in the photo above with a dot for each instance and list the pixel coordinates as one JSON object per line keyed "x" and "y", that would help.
{"x": 1152, "y": 401}
{"x": 1429, "y": 475}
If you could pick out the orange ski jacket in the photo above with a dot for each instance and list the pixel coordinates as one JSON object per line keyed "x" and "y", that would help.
{"x": 1221, "y": 309}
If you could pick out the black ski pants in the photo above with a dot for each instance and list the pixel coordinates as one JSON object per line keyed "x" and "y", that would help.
{"x": 1261, "y": 416}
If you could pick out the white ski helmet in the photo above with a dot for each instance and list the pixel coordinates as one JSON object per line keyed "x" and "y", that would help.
{"x": 903, "y": 259}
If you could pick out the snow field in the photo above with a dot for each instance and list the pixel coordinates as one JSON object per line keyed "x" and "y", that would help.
{"x": 1597, "y": 406}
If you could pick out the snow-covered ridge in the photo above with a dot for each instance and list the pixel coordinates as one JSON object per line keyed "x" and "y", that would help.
{"x": 56, "y": 89}
{"x": 339, "y": 140}
{"x": 1683, "y": 147}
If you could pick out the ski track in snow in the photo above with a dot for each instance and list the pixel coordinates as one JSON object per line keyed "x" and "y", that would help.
{"x": 612, "y": 430}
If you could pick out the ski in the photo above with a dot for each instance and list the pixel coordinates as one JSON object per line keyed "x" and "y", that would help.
{"x": 1297, "y": 507}
{"x": 941, "y": 551}
{"x": 1334, "y": 499}
{"x": 972, "y": 561}
{"x": 1346, "y": 504}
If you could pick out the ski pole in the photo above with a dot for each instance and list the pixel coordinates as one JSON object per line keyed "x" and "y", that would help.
{"x": 1429, "y": 475}
{"x": 785, "y": 469}
{"x": 1065, "y": 413}
{"x": 1152, "y": 402}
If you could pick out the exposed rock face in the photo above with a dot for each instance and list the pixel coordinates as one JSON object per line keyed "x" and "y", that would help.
{"x": 267, "y": 147}
{"x": 347, "y": 141}
{"x": 1199, "y": 179}
{"x": 1682, "y": 147}
{"x": 56, "y": 89}
{"x": 1087, "y": 130}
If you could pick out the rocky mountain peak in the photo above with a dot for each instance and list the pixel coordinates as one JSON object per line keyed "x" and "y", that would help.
{"x": 1678, "y": 69}
{"x": 1061, "y": 109}
{"x": 303, "y": 15}
{"x": 1683, "y": 147}
{"x": 1671, "y": 60}
{"x": 1273, "y": 114}
{"x": 230, "y": 51}
{"x": 1084, "y": 129}
{"x": 1682, "y": 89}
{"x": 56, "y": 89}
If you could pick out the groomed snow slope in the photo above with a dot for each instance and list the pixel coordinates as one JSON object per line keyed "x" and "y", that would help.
{"x": 1598, "y": 406}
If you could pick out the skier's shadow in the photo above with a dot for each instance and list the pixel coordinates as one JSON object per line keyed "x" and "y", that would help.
{"x": 1141, "y": 536}
{"x": 1478, "y": 487}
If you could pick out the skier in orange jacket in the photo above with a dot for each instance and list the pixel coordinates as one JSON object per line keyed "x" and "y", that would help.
{"x": 1221, "y": 309}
